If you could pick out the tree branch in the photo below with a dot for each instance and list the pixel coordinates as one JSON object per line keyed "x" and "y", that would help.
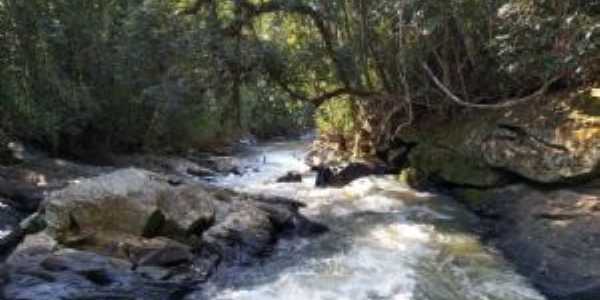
{"x": 504, "y": 104}
{"x": 319, "y": 100}
{"x": 254, "y": 10}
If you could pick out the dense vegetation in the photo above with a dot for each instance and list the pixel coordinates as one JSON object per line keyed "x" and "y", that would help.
{"x": 131, "y": 75}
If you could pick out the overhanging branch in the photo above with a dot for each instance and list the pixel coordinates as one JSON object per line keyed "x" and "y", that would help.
{"x": 252, "y": 11}
{"x": 503, "y": 104}
{"x": 319, "y": 100}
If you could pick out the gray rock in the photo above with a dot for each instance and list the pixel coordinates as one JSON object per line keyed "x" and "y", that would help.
{"x": 33, "y": 224}
{"x": 131, "y": 233}
{"x": 291, "y": 176}
{"x": 72, "y": 274}
{"x": 201, "y": 172}
{"x": 168, "y": 256}
{"x": 544, "y": 154}
{"x": 220, "y": 164}
{"x": 10, "y": 232}
{"x": 189, "y": 209}
{"x": 131, "y": 201}
{"x": 123, "y": 201}
{"x": 242, "y": 235}
{"x": 552, "y": 236}
{"x": 347, "y": 173}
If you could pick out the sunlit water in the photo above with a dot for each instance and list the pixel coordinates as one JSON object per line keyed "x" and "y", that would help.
{"x": 386, "y": 241}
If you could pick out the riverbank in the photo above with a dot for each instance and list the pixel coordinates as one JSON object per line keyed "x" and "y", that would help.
{"x": 384, "y": 239}
{"x": 146, "y": 227}
{"x": 548, "y": 233}
{"x": 530, "y": 171}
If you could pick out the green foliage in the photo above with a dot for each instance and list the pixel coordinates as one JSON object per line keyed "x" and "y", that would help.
{"x": 539, "y": 38}
{"x": 268, "y": 113}
{"x": 336, "y": 117}
{"x": 80, "y": 76}
{"x": 159, "y": 75}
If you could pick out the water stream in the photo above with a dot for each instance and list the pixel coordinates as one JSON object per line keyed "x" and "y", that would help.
{"x": 386, "y": 241}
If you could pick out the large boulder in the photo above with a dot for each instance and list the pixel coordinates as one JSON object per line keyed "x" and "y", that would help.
{"x": 129, "y": 201}
{"x": 560, "y": 143}
{"x": 187, "y": 209}
{"x": 552, "y": 236}
{"x": 555, "y": 139}
{"x": 124, "y": 201}
{"x": 139, "y": 216}
{"x": 242, "y": 235}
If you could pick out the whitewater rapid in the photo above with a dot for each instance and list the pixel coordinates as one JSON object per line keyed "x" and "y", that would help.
{"x": 386, "y": 241}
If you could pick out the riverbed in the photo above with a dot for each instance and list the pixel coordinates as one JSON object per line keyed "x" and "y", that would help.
{"x": 385, "y": 241}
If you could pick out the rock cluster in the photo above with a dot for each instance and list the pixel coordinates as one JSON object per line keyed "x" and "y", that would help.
{"x": 135, "y": 233}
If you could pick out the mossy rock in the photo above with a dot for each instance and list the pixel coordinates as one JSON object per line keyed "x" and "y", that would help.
{"x": 450, "y": 153}
{"x": 554, "y": 139}
{"x": 450, "y": 167}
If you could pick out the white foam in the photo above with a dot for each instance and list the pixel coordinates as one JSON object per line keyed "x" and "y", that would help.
{"x": 382, "y": 243}
{"x": 4, "y": 233}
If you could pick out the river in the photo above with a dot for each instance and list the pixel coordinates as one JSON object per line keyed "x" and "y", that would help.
{"x": 385, "y": 241}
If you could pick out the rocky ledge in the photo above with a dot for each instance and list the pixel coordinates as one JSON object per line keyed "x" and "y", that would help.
{"x": 528, "y": 170}
{"x": 552, "y": 235}
{"x": 135, "y": 234}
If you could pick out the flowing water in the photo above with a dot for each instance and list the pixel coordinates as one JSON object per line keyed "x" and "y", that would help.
{"x": 386, "y": 241}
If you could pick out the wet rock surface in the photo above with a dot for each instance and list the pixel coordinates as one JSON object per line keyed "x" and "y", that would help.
{"x": 134, "y": 234}
{"x": 290, "y": 177}
{"x": 549, "y": 229}
{"x": 220, "y": 164}
{"x": 552, "y": 236}
{"x": 74, "y": 274}
{"x": 23, "y": 187}
{"x": 10, "y": 231}
{"x": 346, "y": 173}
